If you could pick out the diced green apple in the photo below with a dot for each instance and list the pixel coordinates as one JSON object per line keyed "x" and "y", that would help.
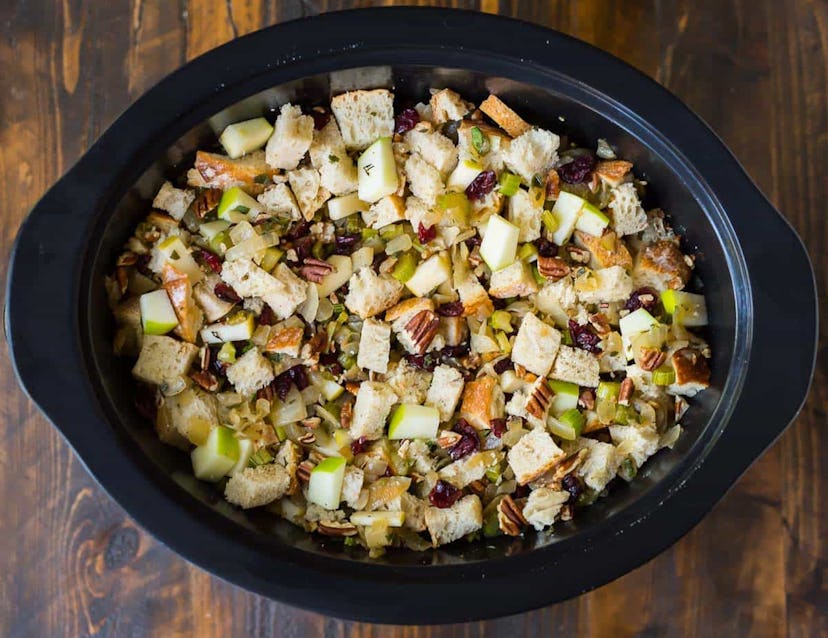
{"x": 157, "y": 313}
{"x": 463, "y": 175}
{"x": 342, "y": 207}
{"x": 178, "y": 256}
{"x": 325, "y": 487}
{"x": 338, "y": 277}
{"x": 560, "y": 429}
{"x": 238, "y": 330}
{"x": 209, "y": 230}
{"x": 565, "y": 397}
{"x": 636, "y": 322}
{"x": 429, "y": 274}
{"x": 217, "y": 456}
{"x": 687, "y": 308}
{"x": 237, "y": 206}
{"x": 245, "y": 452}
{"x": 377, "y": 171}
{"x": 591, "y": 220}
{"x": 499, "y": 246}
{"x": 391, "y": 519}
{"x": 566, "y": 210}
{"x": 410, "y": 421}
{"x": 331, "y": 390}
{"x": 243, "y": 137}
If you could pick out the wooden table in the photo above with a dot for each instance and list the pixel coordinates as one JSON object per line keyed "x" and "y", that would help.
{"x": 73, "y": 564}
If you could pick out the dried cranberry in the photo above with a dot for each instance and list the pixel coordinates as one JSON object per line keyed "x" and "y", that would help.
{"x": 299, "y": 376}
{"x": 422, "y": 361}
{"x": 451, "y": 309}
{"x": 225, "y": 292}
{"x": 504, "y": 364}
{"x": 578, "y": 170}
{"x": 301, "y": 229}
{"x": 143, "y": 265}
{"x": 499, "y": 304}
{"x": 320, "y": 118}
{"x": 344, "y": 244}
{"x": 546, "y": 248}
{"x": 217, "y": 367}
{"x": 521, "y": 491}
{"x": 454, "y": 352}
{"x": 406, "y": 120}
{"x": 425, "y": 235}
{"x": 328, "y": 361}
{"x": 468, "y": 443}
{"x": 444, "y": 495}
{"x": 267, "y": 318}
{"x": 388, "y": 471}
{"x": 572, "y": 484}
{"x": 303, "y": 247}
{"x": 481, "y": 185}
{"x": 584, "y": 337}
{"x": 145, "y": 402}
{"x": 473, "y": 241}
{"x": 213, "y": 261}
{"x": 498, "y": 427}
{"x": 360, "y": 445}
{"x": 646, "y": 298}
{"x": 282, "y": 384}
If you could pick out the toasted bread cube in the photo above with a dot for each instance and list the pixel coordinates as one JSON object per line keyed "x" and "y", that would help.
{"x": 408, "y": 382}
{"x": 352, "y": 486}
{"x": 283, "y": 291}
{"x": 434, "y": 147}
{"x": 164, "y": 361}
{"x": 257, "y": 486}
{"x": 533, "y": 455}
{"x": 291, "y": 138}
{"x": 515, "y": 280}
{"x": 388, "y": 210}
{"x": 453, "y": 523}
{"x": 246, "y": 172}
{"x": 374, "y": 346}
{"x": 204, "y": 293}
{"x": 536, "y": 345}
{"x": 600, "y": 464}
{"x": 306, "y": 185}
{"x": 193, "y": 413}
{"x": 369, "y": 294}
{"x": 373, "y": 404}
{"x": 535, "y": 151}
{"x": 250, "y": 373}
{"x": 173, "y": 200}
{"x": 285, "y": 339}
{"x": 278, "y": 199}
{"x": 524, "y": 215}
{"x": 424, "y": 180}
{"x": 543, "y": 506}
{"x": 613, "y": 284}
{"x": 636, "y": 442}
{"x": 448, "y": 106}
{"x": 505, "y": 117}
{"x": 328, "y": 155}
{"x": 445, "y": 391}
{"x": 692, "y": 372}
{"x": 556, "y": 298}
{"x": 661, "y": 266}
{"x": 419, "y": 214}
{"x": 364, "y": 116}
{"x": 628, "y": 217}
{"x": 576, "y": 366}
{"x": 483, "y": 401}
{"x": 470, "y": 468}
{"x": 476, "y": 301}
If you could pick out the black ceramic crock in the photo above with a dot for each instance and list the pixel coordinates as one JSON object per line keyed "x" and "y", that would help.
{"x": 757, "y": 277}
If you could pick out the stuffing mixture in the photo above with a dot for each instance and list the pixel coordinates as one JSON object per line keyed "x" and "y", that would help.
{"x": 409, "y": 327}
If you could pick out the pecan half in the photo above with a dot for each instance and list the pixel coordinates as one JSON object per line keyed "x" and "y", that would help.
{"x": 625, "y": 392}
{"x": 578, "y": 255}
{"x": 651, "y": 359}
{"x": 552, "y": 268}
{"x": 335, "y": 528}
{"x": 566, "y": 513}
{"x": 587, "y": 399}
{"x": 312, "y": 423}
{"x": 206, "y": 201}
{"x": 600, "y": 322}
{"x": 304, "y": 469}
{"x": 447, "y": 439}
{"x": 315, "y": 269}
{"x": 539, "y": 401}
{"x": 206, "y": 380}
{"x": 422, "y": 328}
{"x": 346, "y": 413}
{"x": 510, "y": 517}
{"x": 308, "y": 438}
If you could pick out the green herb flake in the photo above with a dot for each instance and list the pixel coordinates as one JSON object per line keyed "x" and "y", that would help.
{"x": 333, "y": 159}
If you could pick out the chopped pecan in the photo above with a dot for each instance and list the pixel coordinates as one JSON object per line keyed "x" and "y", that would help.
{"x": 553, "y": 184}
{"x": 422, "y": 328}
{"x": 538, "y": 403}
{"x": 128, "y": 258}
{"x": 651, "y": 358}
{"x": 578, "y": 255}
{"x": 315, "y": 269}
{"x": 477, "y": 487}
{"x": 352, "y": 387}
{"x": 206, "y": 380}
{"x": 204, "y": 357}
{"x": 316, "y": 346}
{"x": 308, "y": 438}
{"x": 510, "y": 517}
{"x": 625, "y": 392}
{"x": 553, "y": 268}
{"x": 587, "y": 399}
{"x": 335, "y": 528}
{"x": 206, "y": 201}
{"x": 304, "y": 469}
{"x": 312, "y": 423}
{"x": 447, "y": 439}
{"x": 600, "y": 322}
{"x": 346, "y": 413}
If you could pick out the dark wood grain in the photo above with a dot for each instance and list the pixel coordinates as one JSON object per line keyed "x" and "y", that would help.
{"x": 73, "y": 564}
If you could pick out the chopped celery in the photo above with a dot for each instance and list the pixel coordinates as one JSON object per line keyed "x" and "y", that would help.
{"x": 281, "y": 432}
{"x": 455, "y": 208}
{"x": 262, "y": 457}
{"x": 319, "y": 250}
{"x": 353, "y": 224}
{"x": 480, "y": 141}
{"x": 338, "y": 308}
{"x": 665, "y": 375}
{"x": 227, "y": 353}
{"x": 628, "y": 469}
{"x": 368, "y": 233}
{"x": 351, "y": 541}
{"x": 527, "y": 252}
{"x": 550, "y": 223}
{"x": 608, "y": 389}
{"x": 574, "y": 419}
{"x": 391, "y": 231}
{"x": 539, "y": 278}
{"x": 494, "y": 474}
{"x": 405, "y": 267}
{"x": 567, "y": 337}
{"x": 346, "y": 360}
{"x": 625, "y": 415}
{"x": 503, "y": 341}
{"x": 509, "y": 184}
{"x": 271, "y": 257}
{"x": 560, "y": 429}
{"x": 501, "y": 320}
{"x": 220, "y": 242}
{"x": 565, "y": 397}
